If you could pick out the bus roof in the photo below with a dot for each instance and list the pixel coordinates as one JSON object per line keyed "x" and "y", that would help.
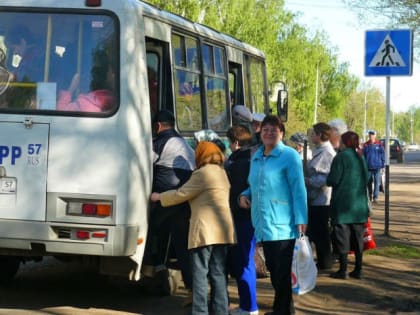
{"x": 148, "y": 10}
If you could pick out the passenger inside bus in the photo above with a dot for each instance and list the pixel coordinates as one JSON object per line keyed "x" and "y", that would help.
{"x": 24, "y": 54}
{"x": 5, "y": 76}
{"x": 101, "y": 97}
{"x": 25, "y": 63}
{"x": 153, "y": 90}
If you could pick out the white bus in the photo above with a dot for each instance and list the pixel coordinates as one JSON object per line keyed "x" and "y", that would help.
{"x": 79, "y": 83}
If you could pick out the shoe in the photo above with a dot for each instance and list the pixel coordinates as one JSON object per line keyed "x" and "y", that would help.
{"x": 339, "y": 275}
{"x": 356, "y": 274}
{"x": 239, "y": 311}
{"x": 375, "y": 201}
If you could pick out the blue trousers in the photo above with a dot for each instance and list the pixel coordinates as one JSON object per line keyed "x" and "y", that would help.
{"x": 375, "y": 181}
{"x": 242, "y": 267}
{"x": 209, "y": 261}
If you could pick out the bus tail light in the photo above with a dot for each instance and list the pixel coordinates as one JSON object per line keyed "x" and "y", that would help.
{"x": 103, "y": 210}
{"x": 88, "y": 234}
{"x": 89, "y": 209}
{"x": 98, "y": 209}
{"x": 82, "y": 235}
{"x": 93, "y": 3}
{"x": 99, "y": 234}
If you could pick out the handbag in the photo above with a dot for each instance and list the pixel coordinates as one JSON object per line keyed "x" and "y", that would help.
{"x": 304, "y": 271}
{"x": 382, "y": 183}
{"x": 368, "y": 241}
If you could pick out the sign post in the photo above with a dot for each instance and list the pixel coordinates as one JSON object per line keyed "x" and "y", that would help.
{"x": 388, "y": 53}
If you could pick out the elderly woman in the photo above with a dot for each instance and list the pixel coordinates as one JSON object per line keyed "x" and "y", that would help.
{"x": 277, "y": 197}
{"x": 319, "y": 194}
{"x": 211, "y": 226}
{"x": 349, "y": 206}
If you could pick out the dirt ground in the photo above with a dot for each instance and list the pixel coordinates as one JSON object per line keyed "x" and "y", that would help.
{"x": 389, "y": 285}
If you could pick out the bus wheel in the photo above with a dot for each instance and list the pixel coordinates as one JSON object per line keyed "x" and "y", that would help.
{"x": 9, "y": 266}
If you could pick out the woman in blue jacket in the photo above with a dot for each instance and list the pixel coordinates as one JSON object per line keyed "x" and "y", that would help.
{"x": 277, "y": 198}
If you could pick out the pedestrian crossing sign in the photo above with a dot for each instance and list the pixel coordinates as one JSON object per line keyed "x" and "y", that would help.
{"x": 389, "y": 53}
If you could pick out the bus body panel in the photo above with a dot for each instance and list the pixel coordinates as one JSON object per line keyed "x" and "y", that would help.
{"x": 23, "y": 157}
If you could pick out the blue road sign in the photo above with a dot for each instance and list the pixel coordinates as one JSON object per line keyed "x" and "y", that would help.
{"x": 389, "y": 53}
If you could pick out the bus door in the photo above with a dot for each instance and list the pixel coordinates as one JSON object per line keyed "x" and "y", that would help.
{"x": 23, "y": 170}
{"x": 158, "y": 71}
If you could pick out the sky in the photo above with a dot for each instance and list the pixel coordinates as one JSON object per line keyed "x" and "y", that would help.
{"x": 347, "y": 33}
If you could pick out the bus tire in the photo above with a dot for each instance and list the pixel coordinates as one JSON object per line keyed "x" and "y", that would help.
{"x": 9, "y": 266}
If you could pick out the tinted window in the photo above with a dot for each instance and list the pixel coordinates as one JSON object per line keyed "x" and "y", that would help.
{"x": 187, "y": 83}
{"x": 65, "y": 62}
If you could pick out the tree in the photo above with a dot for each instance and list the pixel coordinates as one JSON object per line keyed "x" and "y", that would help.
{"x": 354, "y": 111}
{"x": 395, "y": 13}
{"x": 293, "y": 55}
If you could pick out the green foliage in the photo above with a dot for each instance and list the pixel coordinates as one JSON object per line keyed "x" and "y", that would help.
{"x": 293, "y": 52}
{"x": 394, "y": 14}
{"x": 396, "y": 251}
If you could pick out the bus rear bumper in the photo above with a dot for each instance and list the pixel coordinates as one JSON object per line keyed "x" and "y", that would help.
{"x": 29, "y": 238}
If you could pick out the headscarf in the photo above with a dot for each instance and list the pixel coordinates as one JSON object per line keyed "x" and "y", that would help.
{"x": 208, "y": 153}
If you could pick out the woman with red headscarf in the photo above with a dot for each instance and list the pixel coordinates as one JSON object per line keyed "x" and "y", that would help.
{"x": 211, "y": 226}
{"x": 349, "y": 205}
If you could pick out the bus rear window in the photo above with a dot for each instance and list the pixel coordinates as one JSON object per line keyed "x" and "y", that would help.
{"x": 58, "y": 62}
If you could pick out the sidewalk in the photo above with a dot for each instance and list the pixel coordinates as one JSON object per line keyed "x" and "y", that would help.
{"x": 404, "y": 207}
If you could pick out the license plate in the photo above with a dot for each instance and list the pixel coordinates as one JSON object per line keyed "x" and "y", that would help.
{"x": 8, "y": 185}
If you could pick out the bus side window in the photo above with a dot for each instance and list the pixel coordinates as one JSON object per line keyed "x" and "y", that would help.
{"x": 187, "y": 82}
{"x": 217, "y": 98}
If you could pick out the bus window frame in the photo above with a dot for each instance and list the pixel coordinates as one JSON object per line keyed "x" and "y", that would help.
{"x": 248, "y": 89}
{"x": 213, "y": 74}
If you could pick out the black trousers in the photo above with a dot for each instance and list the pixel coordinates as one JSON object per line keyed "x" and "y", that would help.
{"x": 319, "y": 233}
{"x": 278, "y": 258}
{"x": 168, "y": 237}
{"x": 349, "y": 237}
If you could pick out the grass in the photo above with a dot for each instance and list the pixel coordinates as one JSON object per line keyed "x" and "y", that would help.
{"x": 396, "y": 250}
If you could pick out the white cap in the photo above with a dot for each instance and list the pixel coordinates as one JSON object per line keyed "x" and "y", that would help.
{"x": 242, "y": 113}
{"x": 339, "y": 125}
{"x": 258, "y": 117}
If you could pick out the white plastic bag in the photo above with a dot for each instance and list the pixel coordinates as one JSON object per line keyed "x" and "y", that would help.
{"x": 304, "y": 271}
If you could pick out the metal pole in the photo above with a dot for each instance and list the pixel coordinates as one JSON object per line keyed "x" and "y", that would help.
{"x": 316, "y": 94}
{"x": 393, "y": 121}
{"x": 364, "y": 122}
{"x": 388, "y": 106}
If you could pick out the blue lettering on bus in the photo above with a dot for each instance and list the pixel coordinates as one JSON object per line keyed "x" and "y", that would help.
{"x": 14, "y": 152}
{"x": 4, "y": 152}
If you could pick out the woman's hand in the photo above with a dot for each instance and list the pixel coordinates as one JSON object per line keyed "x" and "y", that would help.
{"x": 302, "y": 228}
{"x": 244, "y": 202}
{"x": 154, "y": 197}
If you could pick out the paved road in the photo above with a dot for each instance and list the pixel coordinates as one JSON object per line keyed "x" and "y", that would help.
{"x": 65, "y": 289}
